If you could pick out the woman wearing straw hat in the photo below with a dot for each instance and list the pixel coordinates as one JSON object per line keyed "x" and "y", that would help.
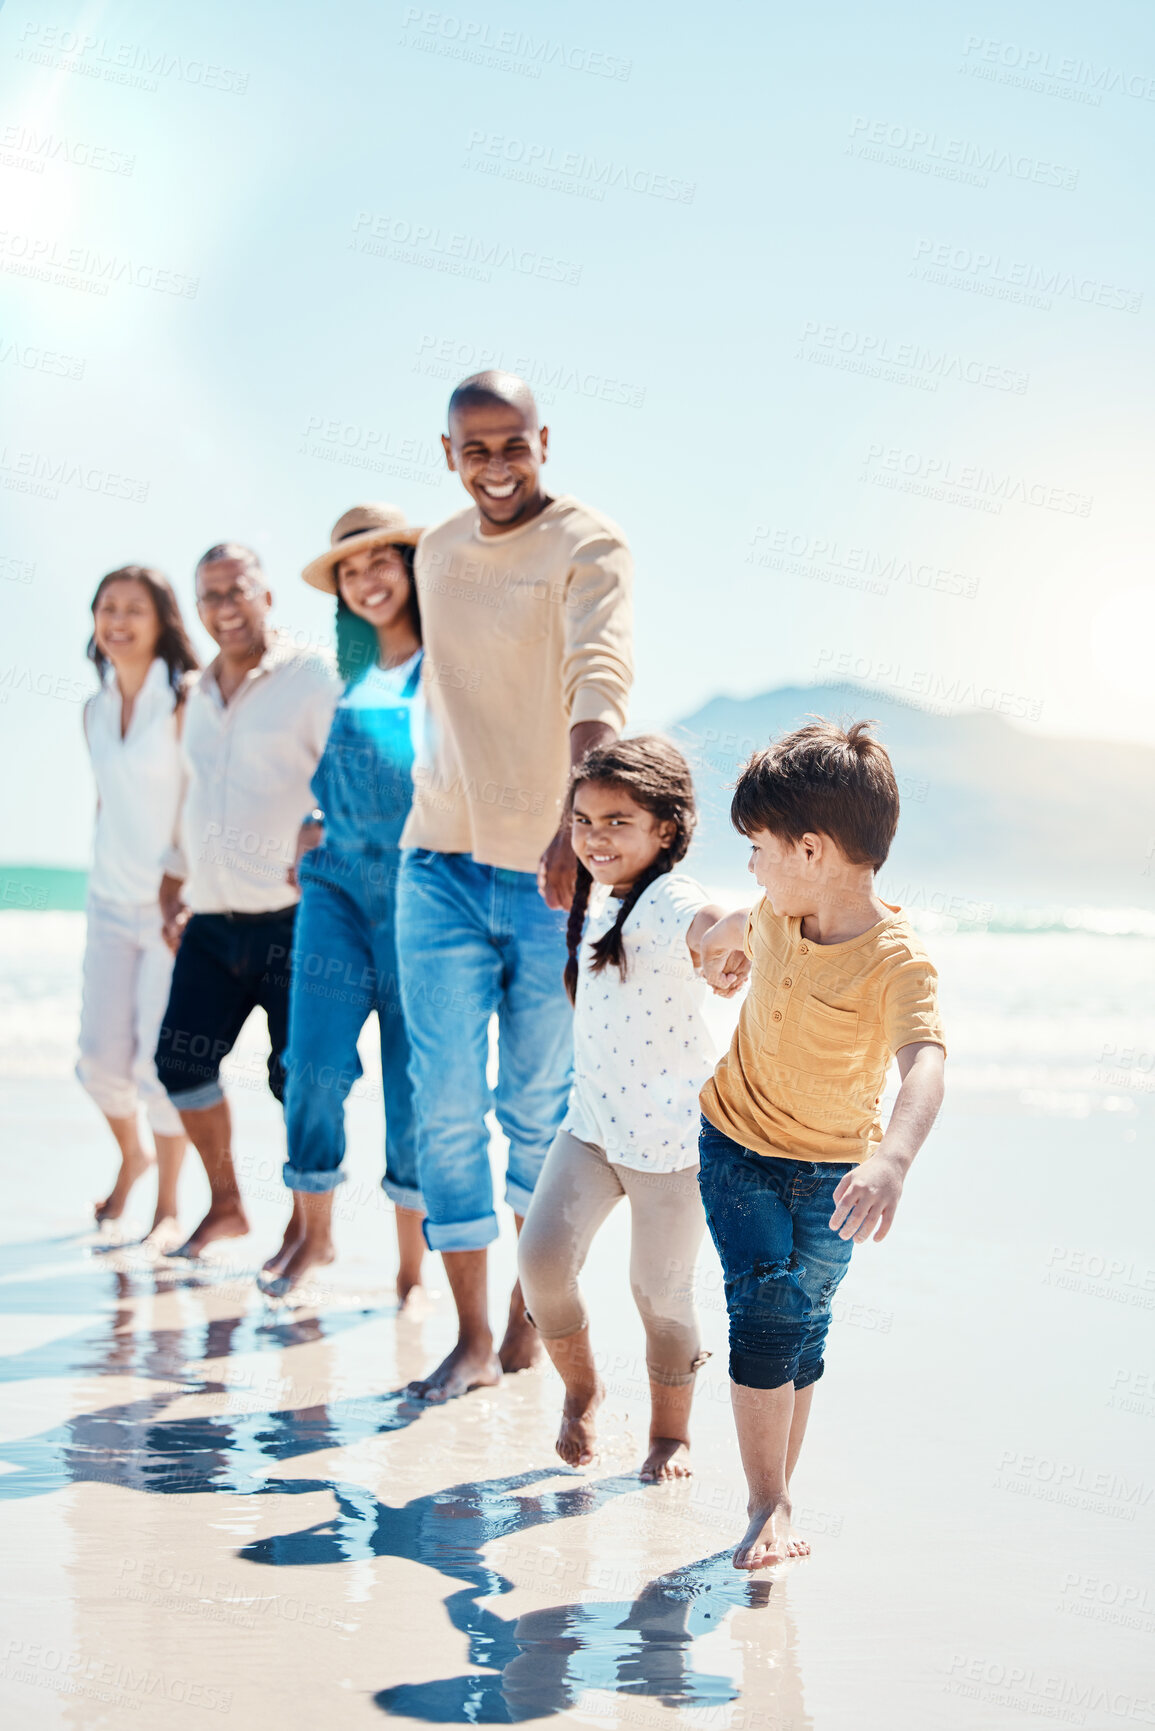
{"x": 344, "y": 951}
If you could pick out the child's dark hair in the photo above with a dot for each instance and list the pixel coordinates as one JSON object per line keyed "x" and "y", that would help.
{"x": 357, "y": 645}
{"x": 825, "y": 780}
{"x": 172, "y": 645}
{"x": 657, "y": 777}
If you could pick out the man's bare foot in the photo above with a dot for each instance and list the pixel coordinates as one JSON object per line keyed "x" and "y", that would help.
{"x": 575, "y": 1439}
{"x": 669, "y": 1458}
{"x": 521, "y": 1347}
{"x": 471, "y": 1364}
{"x": 132, "y": 1167}
{"x": 223, "y": 1220}
{"x": 770, "y": 1538}
{"x": 311, "y": 1252}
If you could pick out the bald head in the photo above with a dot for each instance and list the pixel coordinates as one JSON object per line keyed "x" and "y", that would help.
{"x": 491, "y": 390}
{"x": 497, "y": 447}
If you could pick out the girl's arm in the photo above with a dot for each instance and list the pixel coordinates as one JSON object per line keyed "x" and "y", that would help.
{"x": 715, "y": 940}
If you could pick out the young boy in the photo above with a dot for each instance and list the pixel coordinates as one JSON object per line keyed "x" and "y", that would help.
{"x": 795, "y": 1168}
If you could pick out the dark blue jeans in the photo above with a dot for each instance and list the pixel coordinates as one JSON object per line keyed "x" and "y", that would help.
{"x": 227, "y": 966}
{"x": 780, "y": 1261}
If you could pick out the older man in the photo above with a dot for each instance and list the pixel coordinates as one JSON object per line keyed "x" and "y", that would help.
{"x": 255, "y": 726}
{"x": 525, "y": 605}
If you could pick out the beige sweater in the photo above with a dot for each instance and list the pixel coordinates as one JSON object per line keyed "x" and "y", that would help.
{"x": 526, "y": 633}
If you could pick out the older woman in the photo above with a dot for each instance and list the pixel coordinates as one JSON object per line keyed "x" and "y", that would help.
{"x": 141, "y": 650}
{"x": 344, "y": 953}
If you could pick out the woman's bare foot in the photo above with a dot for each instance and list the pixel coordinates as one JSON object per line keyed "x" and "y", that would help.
{"x": 769, "y": 1539}
{"x": 163, "y": 1235}
{"x": 294, "y": 1233}
{"x": 312, "y": 1252}
{"x": 132, "y": 1167}
{"x": 471, "y": 1364}
{"x": 669, "y": 1458}
{"x": 575, "y": 1439}
{"x": 223, "y": 1220}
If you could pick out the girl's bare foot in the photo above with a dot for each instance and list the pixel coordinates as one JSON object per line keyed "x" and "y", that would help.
{"x": 471, "y": 1364}
{"x": 132, "y": 1167}
{"x": 520, "y": 1348}
{"x": 223, "y": 1220}
{"x": 575, "y": 1439}
{"x": 769, "y": 1539}
{"x": 669, "y": 1458}
{"x": 313, "y": 1251}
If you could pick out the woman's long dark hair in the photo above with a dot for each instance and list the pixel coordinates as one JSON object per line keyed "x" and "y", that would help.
{"x": 357, "y": 645}
{"x": 173, "y": 645}
{"x": 657, "y": 777}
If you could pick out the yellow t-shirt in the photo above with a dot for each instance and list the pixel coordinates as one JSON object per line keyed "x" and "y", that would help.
{"x": 816, "y": 1034}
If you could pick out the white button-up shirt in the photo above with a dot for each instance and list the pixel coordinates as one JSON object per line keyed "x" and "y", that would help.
{"x": 249, "y": 764}
{"x": 139, "y": 781}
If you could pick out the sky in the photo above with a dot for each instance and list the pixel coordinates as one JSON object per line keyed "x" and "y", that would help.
{"x": 843, "y": 314}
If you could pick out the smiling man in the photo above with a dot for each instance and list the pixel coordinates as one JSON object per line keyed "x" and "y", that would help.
{"x": 525, "y": 604}
{"x": 254, "y": 727}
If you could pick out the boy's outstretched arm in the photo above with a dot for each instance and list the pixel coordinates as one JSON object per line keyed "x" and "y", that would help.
{"x": 866, "y": 1200}
{"x": 717, "y": 949}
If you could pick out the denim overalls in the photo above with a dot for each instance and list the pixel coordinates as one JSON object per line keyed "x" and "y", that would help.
{"x": 345, "y": 951}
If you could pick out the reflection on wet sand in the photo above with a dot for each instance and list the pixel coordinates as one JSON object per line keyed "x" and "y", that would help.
{"x": 618, "y": 1657}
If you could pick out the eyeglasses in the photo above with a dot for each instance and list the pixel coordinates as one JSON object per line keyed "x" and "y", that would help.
{"x": 215, "y": 598}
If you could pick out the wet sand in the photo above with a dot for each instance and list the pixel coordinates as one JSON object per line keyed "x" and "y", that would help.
{"x": 214, "y": 1508}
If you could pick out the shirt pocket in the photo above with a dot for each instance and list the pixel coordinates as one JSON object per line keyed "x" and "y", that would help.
{"x": 828, "y": 1031}
{"x": 524, "y": 614}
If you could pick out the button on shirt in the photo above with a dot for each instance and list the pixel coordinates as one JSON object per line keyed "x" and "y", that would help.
{"x": 249, "y": 764}
{"x": 816, "y": 1034}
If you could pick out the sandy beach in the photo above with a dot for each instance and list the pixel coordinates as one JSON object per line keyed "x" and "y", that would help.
{"x": 208, "y": 1495}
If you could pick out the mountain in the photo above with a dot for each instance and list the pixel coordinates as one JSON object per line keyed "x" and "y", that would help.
{"x": 991, "y": 812}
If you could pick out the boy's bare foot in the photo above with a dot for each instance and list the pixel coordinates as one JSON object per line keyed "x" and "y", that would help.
{"x": 223, "y": 1220}
{"x": 669, "y": 1458}
{"x": 132, "y": 1167}
{"x": 311, "y": 1252}
{"x": 412, "y": 1297}
{"x": 471, "y": 1364}
{"x": 769, "y": 1539}
{"x": 575, "y": 1439}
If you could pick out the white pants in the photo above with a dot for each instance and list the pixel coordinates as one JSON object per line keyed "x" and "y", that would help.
{"x": 127, "y": 967}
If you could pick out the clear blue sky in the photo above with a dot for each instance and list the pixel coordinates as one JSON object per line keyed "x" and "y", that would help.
{"x": 773, "y": 230}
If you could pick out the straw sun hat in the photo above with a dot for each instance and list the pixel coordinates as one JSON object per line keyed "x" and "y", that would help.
{"x": 363, "y": 526}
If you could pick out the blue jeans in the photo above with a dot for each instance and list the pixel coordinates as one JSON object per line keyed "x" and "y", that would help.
{"x": 780, "y": 1261}
{"x": 475, "y": 940}
{"x": 344, "y": 967}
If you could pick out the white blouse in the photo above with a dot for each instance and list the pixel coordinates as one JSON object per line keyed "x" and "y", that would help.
{"x": 139, "y": 783}
{"x": 642, "y": 1048}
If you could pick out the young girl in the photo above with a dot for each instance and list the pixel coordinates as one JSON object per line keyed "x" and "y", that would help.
{"x": 641, "y": 1053}
{"x": 142, "y": 653}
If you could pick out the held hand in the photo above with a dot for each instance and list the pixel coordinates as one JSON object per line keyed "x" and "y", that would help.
{"x": 557, "y": 872}
{"x": 724, "y": 969}
{"x": 174, "y": 916}
{"x": 866, "y": 1199}
{"x": 309, "y": 836}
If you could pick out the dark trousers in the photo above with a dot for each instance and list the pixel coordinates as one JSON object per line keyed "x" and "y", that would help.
{"x": 227, "y": 966}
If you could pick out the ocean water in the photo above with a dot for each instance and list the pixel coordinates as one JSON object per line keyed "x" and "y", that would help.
{"x": 204, "y": 1490}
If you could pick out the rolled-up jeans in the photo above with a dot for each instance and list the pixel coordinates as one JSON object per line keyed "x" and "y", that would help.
{"x": 473, "y": 941}
{"x": 345, "y": 967}
{"x": 781, "y": 1263}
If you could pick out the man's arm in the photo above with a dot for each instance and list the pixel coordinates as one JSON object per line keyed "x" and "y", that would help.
{"x": 866, "y": 1199}
{"x": 173, "y": 913}
{"x": 557, "y": 869}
